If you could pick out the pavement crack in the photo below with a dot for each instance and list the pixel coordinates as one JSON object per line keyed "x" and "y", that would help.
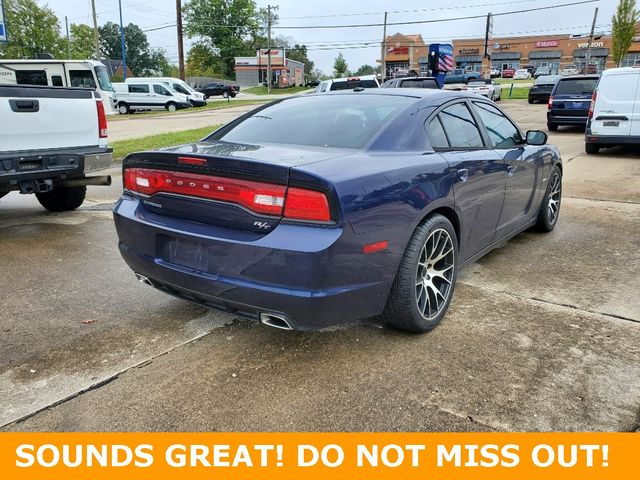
{"x": 105, "y": 381}
{"x": 602, "y": 200}
{"x": 555, "y": 304}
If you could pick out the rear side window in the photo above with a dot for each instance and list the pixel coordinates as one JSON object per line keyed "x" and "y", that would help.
{"x": 31, "y": 77}
{"x": 460, "y": 127}
{"x": 576, "y": 86}
{"x": 56, "y": 80}
{"x": 82, "y": 78}
{"x": 138, "y": 88}
{"x": 419, "y": 84}
{"x": 436, "y": 134}
{"x": 502, "y": 132}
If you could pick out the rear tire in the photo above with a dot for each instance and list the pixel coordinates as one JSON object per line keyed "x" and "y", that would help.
{"x": 225, "y": 94}
{"x": 550, "y": 207}
{"x": 552, "y": 127}
{"x": 592, "y": 148}
{"x": 531, "y": 101}
{"x": 171, "y": 107}
{"x": 427, "y": 266}
{"x": 62, "y": 199}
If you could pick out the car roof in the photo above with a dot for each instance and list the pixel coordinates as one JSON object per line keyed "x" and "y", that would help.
{"x": 579, "y": 77}
{"x": 432, "y": 95}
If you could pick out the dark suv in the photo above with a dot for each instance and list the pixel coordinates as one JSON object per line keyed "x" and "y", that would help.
{"x": 570, "y": 100}
{"x": 215, "y": 89}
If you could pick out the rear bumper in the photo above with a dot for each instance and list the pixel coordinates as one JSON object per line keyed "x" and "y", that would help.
{"x": 51, "y": 164}
{"x": 611, "y": 139}
{"x": 312, "y": 276}
{"x": 552, "y": 117}
{"x": 539, "y": 97}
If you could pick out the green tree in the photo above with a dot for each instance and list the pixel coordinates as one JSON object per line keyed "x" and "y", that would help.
{"x": 365, "y": 70}
{"x": 623, "y": 28}
{"x": 340, "y": 67}
{"x": 81, "y": 41}
{"x": 227, "y": 27}
{"x": 203, "y": 62}
{"x": 140, "y": 58}
{"x": 299, "y": 53}
{"x": 31, "y": 29}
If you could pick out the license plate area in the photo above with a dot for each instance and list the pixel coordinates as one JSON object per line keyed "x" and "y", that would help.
{"x": 183, "y": 253}
{"x": 576, "y": 105}
{"x": 611, "y": 123}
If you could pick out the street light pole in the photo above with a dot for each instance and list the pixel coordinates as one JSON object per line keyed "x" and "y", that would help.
{"x": 96, "y": 41}
{"x": 180, "y": 44}
{"x": 269, "y": 49}
{"x": 593, "y": 27}
{"x": 122, "y": 45}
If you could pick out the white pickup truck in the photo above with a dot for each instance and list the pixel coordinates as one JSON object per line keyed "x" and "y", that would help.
{"x": 50, "y": 139}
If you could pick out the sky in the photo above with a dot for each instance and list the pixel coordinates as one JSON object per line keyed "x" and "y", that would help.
{"x": 360, "y": 45}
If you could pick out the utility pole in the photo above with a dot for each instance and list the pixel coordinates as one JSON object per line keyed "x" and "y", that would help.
{"x": 383, "y": 50}
{"x": 95, "y": 30}
{"x": 122, "y": 45}
{"x": 180, "y": 45}
{"x": 66, "y": 24}
{"x": 269, "y": 49}
{"x": 587, "y": 57}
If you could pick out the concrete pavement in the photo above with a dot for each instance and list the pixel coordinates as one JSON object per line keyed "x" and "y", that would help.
{"x": 542, "y": 334}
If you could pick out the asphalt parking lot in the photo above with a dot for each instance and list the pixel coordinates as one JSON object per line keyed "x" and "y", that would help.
{"x": 542, "y": 334}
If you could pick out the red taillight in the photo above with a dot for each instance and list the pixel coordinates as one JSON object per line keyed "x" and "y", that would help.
{"x": 593, "y": 103}
{"x": 102, "y": 120}
{"x": 258, "y": 197}
{"x": 550, "y": 104}
{"x": 304, "y": 204}
{"x": 264, "y": 198}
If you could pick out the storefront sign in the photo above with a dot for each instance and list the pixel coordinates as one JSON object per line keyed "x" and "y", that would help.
{"x": 398, "y": 51}
{"x": 277, "y": 56}
{"x": 3, "y": 25}
{"x": 547, "y": 44}
{"x": 469, "y": 51}
{"x": 593, "y": 45}
{"x": 501, "y": 46}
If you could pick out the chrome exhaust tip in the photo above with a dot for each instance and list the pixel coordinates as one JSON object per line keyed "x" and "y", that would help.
{"x": 275, "y": 321}
{"x": 143, "y": 279}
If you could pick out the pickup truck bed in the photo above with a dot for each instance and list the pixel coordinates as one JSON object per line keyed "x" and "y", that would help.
{"x": 51, "y": 137}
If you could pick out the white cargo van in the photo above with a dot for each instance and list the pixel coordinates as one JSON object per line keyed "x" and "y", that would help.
{"x": 614, "y": 115}
{"x": 60, "y": 73}
{"x": 148, "y": 95}
{"x": 195, "y": 98}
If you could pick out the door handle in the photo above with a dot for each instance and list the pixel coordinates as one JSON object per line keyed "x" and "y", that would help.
{"x": 463, "y": 174}
{"x": 510, "y": 170}
{"x": 24, "y": 105}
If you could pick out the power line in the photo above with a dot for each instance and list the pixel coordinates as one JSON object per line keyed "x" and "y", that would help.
{"x": 413, "y": 22}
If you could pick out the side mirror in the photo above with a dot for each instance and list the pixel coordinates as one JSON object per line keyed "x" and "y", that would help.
{"x": 536, "y": 137}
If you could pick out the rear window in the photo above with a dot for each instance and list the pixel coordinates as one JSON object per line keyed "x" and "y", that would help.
{"x": 419, "y": 84}
{"x": 333, "y": 121}
{"x": 547, "y": 80}
{"x": 351, "y": 84}
{"x": 576, "y": 86}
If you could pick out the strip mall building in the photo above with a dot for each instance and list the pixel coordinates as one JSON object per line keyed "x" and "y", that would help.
{"x": 409, "y": 52}
{"x": 544, "y": 51}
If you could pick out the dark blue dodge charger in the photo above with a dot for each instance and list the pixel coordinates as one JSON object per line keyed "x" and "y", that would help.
{"x": 320, "y": 209}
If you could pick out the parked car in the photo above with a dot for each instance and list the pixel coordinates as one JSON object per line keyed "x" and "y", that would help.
{"x": 486, "y": 88}
{"x": 412, "y": 82}
{"x": 508, "y": 72}
{"x": 313, "y": 83}
{"x": 569, "y": 70}
{"x": 541, "y": 71}
{"x": 52, "y": 138}
{"x": 541, "y": 89}
{"x": 215, "y": 89}
{"x": 495, "y": 73}
{"x": 363, "y": 81}
{"x": 461, "y": 76}
{"x": 196, "y": 99}
{"x": 148, "y": 95}
{"x": 363, "y": 210}
{"x": 522, "y": 74}
{"x": 570, "y": 101}
{"x": 529, "y": 68}
{"x": 614, "y": 118}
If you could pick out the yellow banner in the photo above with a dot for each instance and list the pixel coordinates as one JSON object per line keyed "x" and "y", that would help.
{"x": 319, "y": 456}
